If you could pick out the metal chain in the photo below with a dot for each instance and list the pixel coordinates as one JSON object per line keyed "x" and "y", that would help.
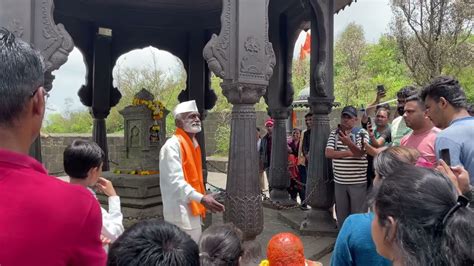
{"x": 282, "y": 207}
{"x": 268, "y": 199}
{"x": 215, "y": 167}
{"x": 265, "y": 197}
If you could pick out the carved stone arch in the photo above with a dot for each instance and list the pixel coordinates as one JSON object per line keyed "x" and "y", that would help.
{"x": 123, "y": 52}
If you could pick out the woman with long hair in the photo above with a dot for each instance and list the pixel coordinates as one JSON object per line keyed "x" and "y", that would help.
{"x": 420, "y": 219}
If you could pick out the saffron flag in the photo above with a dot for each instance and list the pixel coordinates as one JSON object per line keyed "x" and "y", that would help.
{"x": 306, "y": 47}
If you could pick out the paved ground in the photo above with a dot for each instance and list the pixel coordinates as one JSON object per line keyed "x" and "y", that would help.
{"x": 316, "y": 248}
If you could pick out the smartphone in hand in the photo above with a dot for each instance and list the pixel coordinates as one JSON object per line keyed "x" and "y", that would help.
{"x": 380, "y": 89}
{"x": 444, "y": 155}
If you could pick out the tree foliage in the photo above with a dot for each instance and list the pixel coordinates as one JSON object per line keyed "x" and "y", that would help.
{"x": 432, "y": 36}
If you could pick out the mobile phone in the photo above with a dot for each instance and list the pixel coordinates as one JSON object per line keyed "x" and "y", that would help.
{"x": 380, "y": 88}
{"x": 369, "y": 120}
{"x": 338, "y": 129}
{"x": 444, "y": 154}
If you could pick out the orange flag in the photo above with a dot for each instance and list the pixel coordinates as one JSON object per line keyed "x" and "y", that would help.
{"x": 306, "y": 47}
{"x": 293, "y": 118}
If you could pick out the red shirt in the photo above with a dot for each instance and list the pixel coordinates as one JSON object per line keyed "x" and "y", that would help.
{"x": 43, "y": 220}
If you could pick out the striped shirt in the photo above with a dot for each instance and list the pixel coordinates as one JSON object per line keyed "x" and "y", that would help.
{"x": 349, "y": 170}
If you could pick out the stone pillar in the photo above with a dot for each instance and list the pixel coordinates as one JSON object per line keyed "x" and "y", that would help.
{"x": 101, "y": 85}
{"x": 33, "y": 22}
{"x": 243, "y": 201}
{"x": 279, "y": 175}
{"x": 243, "y": 57}
{"x": 319, "y": 186}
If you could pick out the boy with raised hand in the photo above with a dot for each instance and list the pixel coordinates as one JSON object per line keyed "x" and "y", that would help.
{"x": 83, "y": 164}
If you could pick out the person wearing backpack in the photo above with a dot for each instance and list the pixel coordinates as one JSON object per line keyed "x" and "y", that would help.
{"x": 349, "y": 165}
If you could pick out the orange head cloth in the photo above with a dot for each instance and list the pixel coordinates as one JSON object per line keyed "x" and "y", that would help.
{"x": 285, "y": 249}
{"x": 192, "y": 169}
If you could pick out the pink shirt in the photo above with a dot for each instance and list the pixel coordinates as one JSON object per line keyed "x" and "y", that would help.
{"x": 425, "y": 143}
{"x": 43, "y": 220}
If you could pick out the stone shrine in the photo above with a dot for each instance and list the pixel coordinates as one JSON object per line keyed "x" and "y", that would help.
{"x": 136, "y": 178}
{"x": 144, "y": 133}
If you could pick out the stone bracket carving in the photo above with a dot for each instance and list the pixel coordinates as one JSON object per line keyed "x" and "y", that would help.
{"x": 36, "y": 25}
{"x": 241, "y": 43}
{"x": 324, "y": 45}
{"x": 242, "y": 93}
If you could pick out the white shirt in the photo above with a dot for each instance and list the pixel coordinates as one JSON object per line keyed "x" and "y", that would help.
{"x": 112, "y": 221}
{"x": 176, "y": 193}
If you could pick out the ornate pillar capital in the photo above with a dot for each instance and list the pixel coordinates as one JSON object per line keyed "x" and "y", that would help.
{"x": 321, "y": 105}
{"x": 243, "y": 93}
{"x": 280, "y": 113}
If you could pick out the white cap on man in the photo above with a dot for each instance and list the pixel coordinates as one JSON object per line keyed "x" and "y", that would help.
{"x": 185, "y": 107}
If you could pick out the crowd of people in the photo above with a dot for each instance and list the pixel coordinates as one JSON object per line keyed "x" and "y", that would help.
{"x": 418, "y": 193}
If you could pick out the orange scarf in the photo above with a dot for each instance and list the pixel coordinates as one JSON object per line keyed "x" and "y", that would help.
{"x": 192, "y": 169}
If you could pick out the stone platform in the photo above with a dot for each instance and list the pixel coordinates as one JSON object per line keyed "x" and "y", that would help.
{"x": 140, "y": 196}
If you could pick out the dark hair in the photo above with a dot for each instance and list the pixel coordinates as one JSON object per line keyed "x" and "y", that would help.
{"x": 418, "y": 199}
{"x": 153, "y": 242}
{"x": 416, "y": 98}
{"x": 387, "y": 161}
{"x": 308, "y": 115}
{"x": 384, "y": 105}
{"x": 448, "y": 88}
{"x": 382, "y": 108}
{"x": 470, "y": 109}
{"x": 220, "y": 245}
{"x": 80, "y": 157}
{"x": 297, "y": 129}
{"x": 21, "y": 73}
{"x": 407, "y": 91}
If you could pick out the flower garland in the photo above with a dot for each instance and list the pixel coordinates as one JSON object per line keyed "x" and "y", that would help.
{"x": 136, "y": 172}
{"x": 156, "y": 107}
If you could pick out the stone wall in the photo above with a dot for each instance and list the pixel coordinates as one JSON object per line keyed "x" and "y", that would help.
{"x": 53, "y": 145}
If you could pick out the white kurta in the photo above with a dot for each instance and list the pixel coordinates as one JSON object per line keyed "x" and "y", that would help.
{"x": 112, "y": 220}
{"x": 176, "y": 193}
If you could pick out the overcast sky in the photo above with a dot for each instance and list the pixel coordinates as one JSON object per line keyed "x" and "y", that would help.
{"x": 373, "y": 15}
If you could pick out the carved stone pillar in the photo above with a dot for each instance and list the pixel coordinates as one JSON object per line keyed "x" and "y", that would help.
{"x": 319, "y": 186}
{"x": 32, "y": 21}
{"x": 243, "y": 57}
{"x": 279, "y": 175}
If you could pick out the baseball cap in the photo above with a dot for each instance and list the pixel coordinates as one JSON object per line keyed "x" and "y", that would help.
{"x": 349, "y": 110}
{"x": 269, "y": 122}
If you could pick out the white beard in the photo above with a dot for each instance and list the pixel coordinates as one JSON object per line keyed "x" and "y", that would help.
{"x": 192, "y": 129}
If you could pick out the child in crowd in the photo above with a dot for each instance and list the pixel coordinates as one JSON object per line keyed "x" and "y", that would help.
{"x": 83, "y": 164}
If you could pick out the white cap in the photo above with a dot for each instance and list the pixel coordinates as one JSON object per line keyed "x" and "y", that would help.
{"x": 185, "y": 107}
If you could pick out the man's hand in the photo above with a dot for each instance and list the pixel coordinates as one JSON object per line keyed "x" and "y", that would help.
{"x": 380, "y": 95}
{"x": 210, "y": 203}
{"x": 458, "y": 175}
{"x": 370, "y": 130}
{"x": 105, "y": 186}
{"x": 345, "y": 138}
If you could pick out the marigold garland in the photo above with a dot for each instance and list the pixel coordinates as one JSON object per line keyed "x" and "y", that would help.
{"x": 137, "y": 172}
{"x": 157, "y": 108}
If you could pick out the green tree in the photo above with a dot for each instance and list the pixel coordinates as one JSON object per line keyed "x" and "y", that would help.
{"x": 350, "y": 80}
{"x": 432, "y": 36}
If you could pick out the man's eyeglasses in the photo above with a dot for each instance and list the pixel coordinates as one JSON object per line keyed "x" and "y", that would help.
{"x": 45, "y": 93}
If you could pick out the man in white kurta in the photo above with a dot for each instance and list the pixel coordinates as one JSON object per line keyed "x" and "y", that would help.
{"x": 176, "y": 192}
